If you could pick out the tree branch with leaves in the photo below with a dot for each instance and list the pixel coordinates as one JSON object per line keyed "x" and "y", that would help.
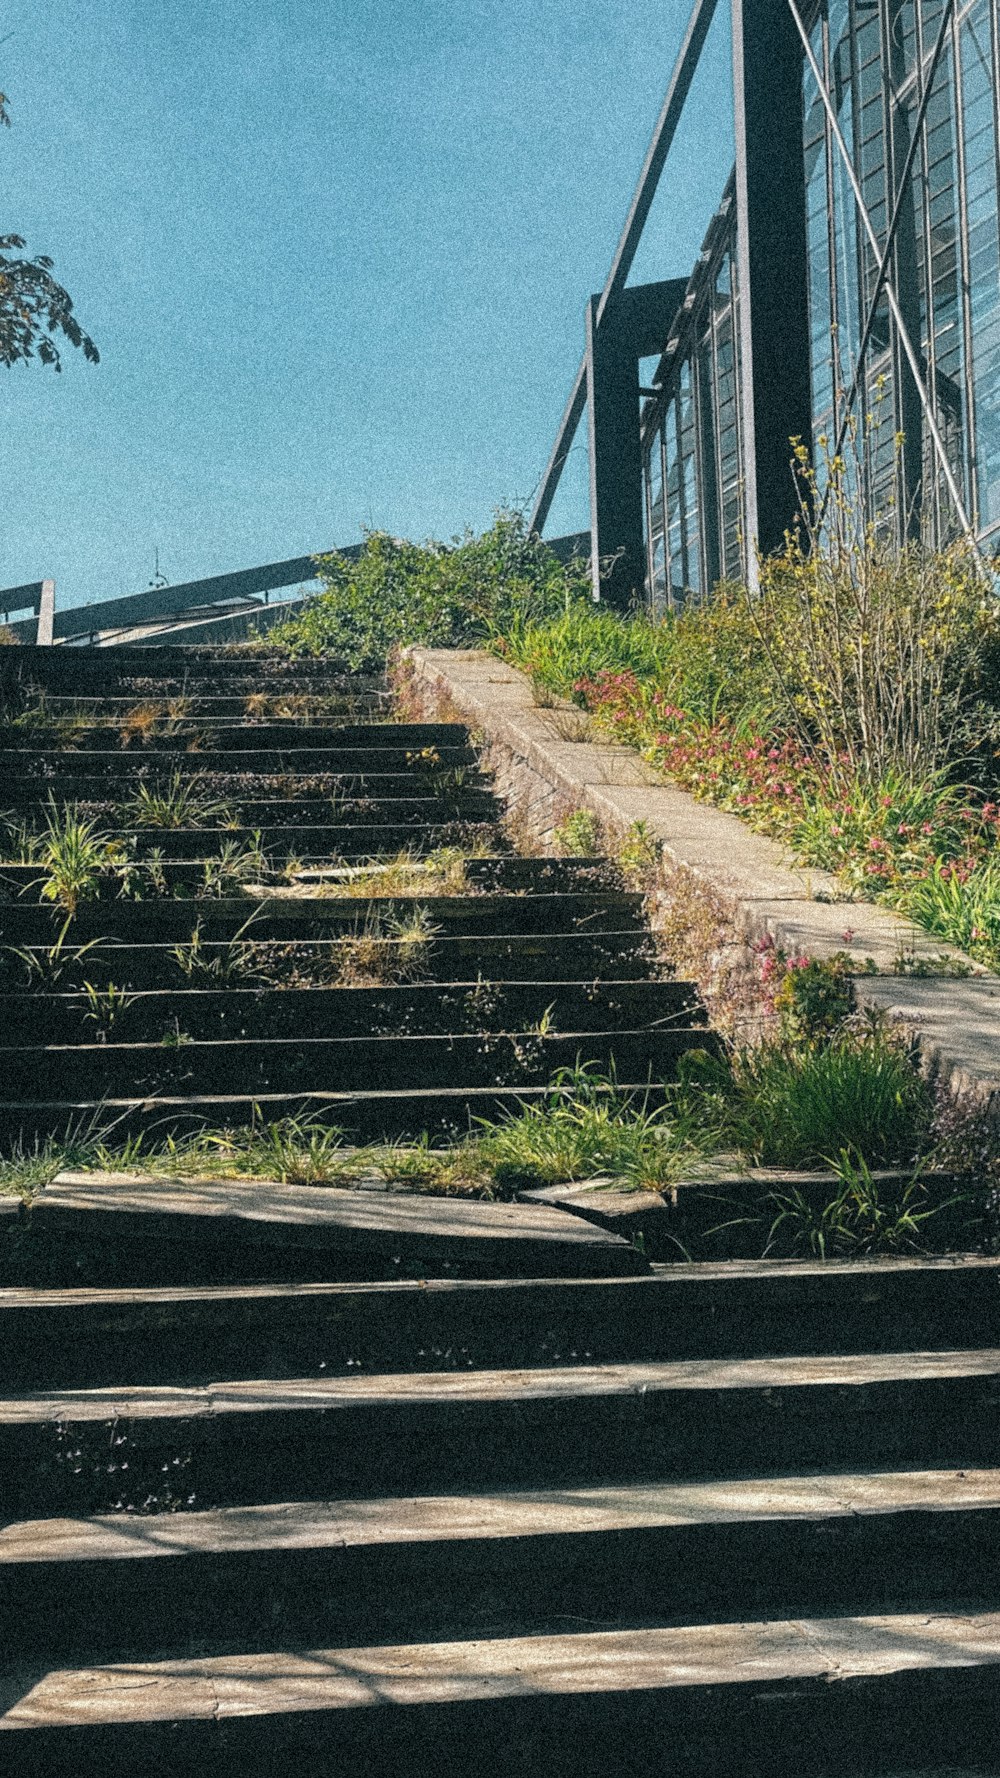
{"x": 36, "y": 313}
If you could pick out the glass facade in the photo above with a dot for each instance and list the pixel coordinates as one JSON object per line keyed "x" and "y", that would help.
{"x": 691, "y": 435}
{"x": 874, "y": 56}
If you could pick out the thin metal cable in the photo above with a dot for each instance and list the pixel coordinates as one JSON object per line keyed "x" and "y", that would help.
{"x": 901, "y": 328}
{"x": 911, "y": 155}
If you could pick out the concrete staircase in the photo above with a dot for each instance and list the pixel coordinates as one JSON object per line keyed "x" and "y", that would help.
{"x": 532, "y": 965}
{"x": 350, "y": 1484}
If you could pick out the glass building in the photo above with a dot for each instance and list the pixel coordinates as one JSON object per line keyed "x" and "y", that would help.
{"x": 848, "y": 290}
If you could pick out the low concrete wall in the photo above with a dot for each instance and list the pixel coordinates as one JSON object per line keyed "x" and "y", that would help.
{"x": 542, "y": 775}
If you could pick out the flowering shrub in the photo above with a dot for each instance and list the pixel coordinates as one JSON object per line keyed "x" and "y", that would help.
{"x": 926, "y": 849}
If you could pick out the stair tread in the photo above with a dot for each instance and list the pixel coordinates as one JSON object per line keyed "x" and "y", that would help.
{"x": 767, "y": 1653}
{"x": 502, "y": 1514}
{"x": 874, "y": 1268}
{"x": 347, "y": 1215}
{"x": 468, "y": 1388}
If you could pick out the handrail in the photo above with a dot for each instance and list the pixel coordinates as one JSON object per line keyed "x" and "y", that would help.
{"x": 166, "y": 602}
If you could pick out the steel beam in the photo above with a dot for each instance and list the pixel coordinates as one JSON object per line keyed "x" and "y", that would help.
{"x": 674, "y": 101}
{"x": 772, "y": 266}
{"x": 634, "y": 325}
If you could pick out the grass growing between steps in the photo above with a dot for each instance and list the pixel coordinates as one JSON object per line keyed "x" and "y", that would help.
{"x": 846, "y": 1106}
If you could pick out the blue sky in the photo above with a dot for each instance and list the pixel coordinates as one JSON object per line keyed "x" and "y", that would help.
{"x": 335, "y": 256}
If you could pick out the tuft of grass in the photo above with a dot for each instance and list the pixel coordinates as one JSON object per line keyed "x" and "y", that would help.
{"x": 76, "y": 858}
{"x": 440, "y": 872}
{"x": 965, "y": 909}
{"x": 864, "y": 1215}
{"x": 791, "y": 1105}
{"x": 177, "y": 802}
{"x": 586, "y": 1128}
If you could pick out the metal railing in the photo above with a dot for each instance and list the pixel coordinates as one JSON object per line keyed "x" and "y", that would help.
{"x": 217, "y": 600}
{"x": 38, "y": 596}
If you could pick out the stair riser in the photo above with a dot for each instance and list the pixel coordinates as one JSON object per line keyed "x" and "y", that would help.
{"x": 572, "y": 957}
{"x": 445, "y": 1115}
{"x": 356, "y": 744}
{"x": 144, "y": 1609}
{"x": 44, "y": 1344}
{"x": 233, "y": 775}
{"x": 352, "y": 841}
{"x": 337, "y": 1065}
{"x": 185, "y": 876}
{"x": 278, "y": 918}
{"x": 305, "y": 807}
{"x": 349, "y": 1012}
{"x": 370, "y": 1450}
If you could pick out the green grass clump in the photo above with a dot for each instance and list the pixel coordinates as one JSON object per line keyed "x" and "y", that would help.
{"x": 794, "y": 1105}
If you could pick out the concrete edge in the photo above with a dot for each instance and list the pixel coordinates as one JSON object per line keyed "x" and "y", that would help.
{"x": 949, "y": 1003}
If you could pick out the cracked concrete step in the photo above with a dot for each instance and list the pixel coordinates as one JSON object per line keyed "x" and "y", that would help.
{"x": 372, "y": 1234}
{"x": 143, "y": 1585}
{"x": 761, "y": 1697}
{"x": 86, "y": 1337}
{"x": 240, "y": 1442}
{"x": 502, "y": 875}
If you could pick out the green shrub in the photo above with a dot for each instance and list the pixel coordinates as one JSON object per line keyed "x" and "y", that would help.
{"x": 579, "y": 836}
{"x": 814, "y": 998}
{"x": 436, "y": 594}
{"x": 796, "y": 1105}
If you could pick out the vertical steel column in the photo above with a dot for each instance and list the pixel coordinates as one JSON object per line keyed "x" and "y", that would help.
{"x": 617, "y": 544}
{"x": 772, "y": 264}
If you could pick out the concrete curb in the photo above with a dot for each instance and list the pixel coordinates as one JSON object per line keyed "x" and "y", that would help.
{"x": 541, "y": 774}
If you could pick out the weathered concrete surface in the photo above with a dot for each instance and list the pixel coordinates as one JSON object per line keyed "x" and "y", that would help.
{"x": 297, "y": 1525}
{"x": 800, "y": 909}
{"x": 958, "y": 1021}
{"x": 704, "y": 1376}
{"x": 430, "y": 1673}
{"x": 516, "y": 1236}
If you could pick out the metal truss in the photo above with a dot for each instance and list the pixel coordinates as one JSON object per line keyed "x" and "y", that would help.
{"x": 883, "y": 255}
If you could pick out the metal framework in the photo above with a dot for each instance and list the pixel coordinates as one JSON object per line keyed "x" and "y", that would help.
{"x": 848, "y": 289}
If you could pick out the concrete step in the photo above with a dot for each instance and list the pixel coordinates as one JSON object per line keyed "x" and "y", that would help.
{"x": 504, "y": 1562}
{"x": 311, "y": 840}
{"x": 356, "y": 741}
{"x": 771, "y": 1696}
{"x": 299, "y": 752}
{"x": 178, "y": 1063}
{"x": 83, "y": 1337}
{"x": 185, "y": 876}
{"x": 66, "y": 1451}
{"x": 581, "y": 956}
{"x": 441, "y": 1114}
{"x": 309, "y": 802}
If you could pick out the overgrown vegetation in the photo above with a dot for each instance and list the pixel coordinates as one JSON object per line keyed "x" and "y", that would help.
{"x": 850, "y": 709}
{"x": 443, "y": 595}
